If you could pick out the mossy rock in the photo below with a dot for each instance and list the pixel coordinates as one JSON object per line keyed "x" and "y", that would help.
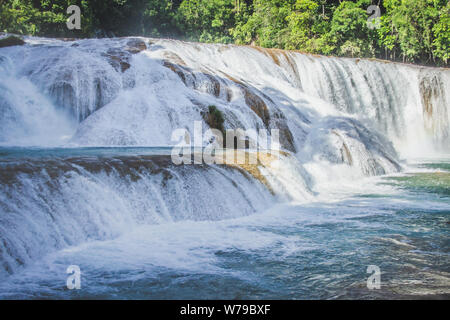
{"x": 214, "y": 118}
{"x": 11, "y": 41}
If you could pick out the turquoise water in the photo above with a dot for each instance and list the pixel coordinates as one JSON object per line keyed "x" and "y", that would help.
{"x": 319, "y": 250}
{"x": 37, "y": 152}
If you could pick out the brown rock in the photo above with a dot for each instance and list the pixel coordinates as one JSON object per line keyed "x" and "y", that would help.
{"x": 118, "y": 59}
{"x": 11, "y": 41}
{"x": 136, "y": 46}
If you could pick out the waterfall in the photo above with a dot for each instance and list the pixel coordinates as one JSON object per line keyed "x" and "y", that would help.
{"x": 434, "y": 88}
{"x": 48, "y": 204}
{"x": 135, "y": 91}
{"x": 27, "y": 116}
{"x": 334, "y": 115}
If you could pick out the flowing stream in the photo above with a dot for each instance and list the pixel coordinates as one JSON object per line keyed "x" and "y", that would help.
{"x": 87, "y": 178}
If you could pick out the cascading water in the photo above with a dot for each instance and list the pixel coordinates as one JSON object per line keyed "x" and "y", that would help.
{"x": 68, "y": 201}
{"x": 28, "y": 116}
{"x": 139, "y": 89}
{"x": 103, "y": 104}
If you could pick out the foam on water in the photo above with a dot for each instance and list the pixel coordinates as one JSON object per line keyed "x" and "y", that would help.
{"x": 130, "y": 216}
{"x": 28, "y": 116}
{"x": 63, "y": 202}
{"x": 310, "y": 250}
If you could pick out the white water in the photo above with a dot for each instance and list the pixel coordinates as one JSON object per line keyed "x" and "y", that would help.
{"x": 144, "y": 104}
{"x": 341, "y": 120}
{"x": 28, "y": 117}
{"x": 61, "y": 206}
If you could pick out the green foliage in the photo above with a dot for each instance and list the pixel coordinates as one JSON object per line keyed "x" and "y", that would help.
{"x": 349, "y": 34}
{"x": 210, "y": 20}
{"x": 410, "y": 30}
{"x": 38, "y": 17}
{"x": 215, "y": 119}
{"x": 267, "y": 26}
{"x": 303, "y": 26}
{"x": 159, "y": 19}
{"x": 441, "y": 33}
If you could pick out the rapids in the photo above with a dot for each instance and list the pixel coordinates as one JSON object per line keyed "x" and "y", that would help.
{"x": 86, "y": 132}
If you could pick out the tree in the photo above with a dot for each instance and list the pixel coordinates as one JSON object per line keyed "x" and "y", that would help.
{"x": 302, "y": 24}
{"x": 267, "y": 26}
{"x": 408, "y": 28}
{"x": 441, "y": 32}
{"x": 349, "y": 34}
{"x": 40, "y": 17}
{"x": 208, "y": 20}
{"x": 413, "y": 30}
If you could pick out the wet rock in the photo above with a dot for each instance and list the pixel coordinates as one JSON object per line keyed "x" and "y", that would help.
{"x": 257, "y": 105}
{"x": 434, "y": 102}
{"x": 215, "y": 85}
{"x": 272, "y": 53}
{"x": 286, "y": 138}
{"x": 135, "y": 46}
{"x": 175, "y": 68}
{"x": 341, "y": 140}
{"x": 11, "y": 41}
{"x": 174, "y": 58}
{"x": 253, "y": 101}
{"x": 119, "y": 59}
